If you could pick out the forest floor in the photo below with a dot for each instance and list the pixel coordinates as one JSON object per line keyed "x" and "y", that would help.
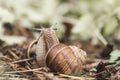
{"x": 14, "y": 64}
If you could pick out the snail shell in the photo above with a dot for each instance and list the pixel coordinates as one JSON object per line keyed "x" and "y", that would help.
{"x": 65, "y": 59}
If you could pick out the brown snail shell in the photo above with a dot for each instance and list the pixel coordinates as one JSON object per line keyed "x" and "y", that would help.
{"x": 65, "y": 59}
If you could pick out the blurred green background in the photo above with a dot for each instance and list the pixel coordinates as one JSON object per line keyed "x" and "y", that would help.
{"x": 80, "y": 19}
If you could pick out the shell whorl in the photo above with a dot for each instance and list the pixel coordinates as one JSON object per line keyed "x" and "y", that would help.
{"x": 65, "y": 59}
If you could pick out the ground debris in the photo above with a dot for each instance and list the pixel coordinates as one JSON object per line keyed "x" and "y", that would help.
{"x": 15, "y": 58}
{"x": 17, "y": 29}
{"x": 106, "y": 51}
{"x": 15, "y": 65}
{"x": 107, "y": 71}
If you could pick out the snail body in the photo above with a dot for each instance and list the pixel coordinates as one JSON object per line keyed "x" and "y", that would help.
{"x": 45, "y": 42}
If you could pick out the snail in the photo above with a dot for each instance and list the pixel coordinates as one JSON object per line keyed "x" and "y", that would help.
{"x": 57, "y": 56}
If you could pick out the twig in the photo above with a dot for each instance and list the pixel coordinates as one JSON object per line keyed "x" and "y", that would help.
{"x": 37, "y": 29}
{"x": 102, "y": 72}
{"x": 75, "y": 77}
{"x": 100, "y": 37}
{"x": 10, "y": 78}
{"x": 52, "y": 27}
{"x": 24, "y": 71}
{"x": 6, "y": 57}
{"x": 23, "y": 60}
{"x": 21, "y": 28}
{"x": 13, "y": 54}
{"x": 49, "y": 76}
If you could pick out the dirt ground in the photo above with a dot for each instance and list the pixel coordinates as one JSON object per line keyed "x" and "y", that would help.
{"x": 15, "y": 65}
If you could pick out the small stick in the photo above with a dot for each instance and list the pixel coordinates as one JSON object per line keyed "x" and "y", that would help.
{"x": 53, "y": 25}
{"x": 100, "y": 37}
{"x": 49, "y": 76}
{"x": 23, "y": 60}
{"x": 102, "y": 72}
{"x": 31, "y": 70}
{"x": 75, "y": 77}
{"x": 21, "y": 28}
{"x": 37, "y": 29}
{"x": 6, "y": 57}
{"x": 13, "y": 54}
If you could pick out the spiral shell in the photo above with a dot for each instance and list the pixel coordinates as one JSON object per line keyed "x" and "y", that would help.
{"x": 65, "y": 59}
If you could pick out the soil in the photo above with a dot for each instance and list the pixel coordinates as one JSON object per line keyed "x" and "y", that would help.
{"x": 14, "y": 60}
